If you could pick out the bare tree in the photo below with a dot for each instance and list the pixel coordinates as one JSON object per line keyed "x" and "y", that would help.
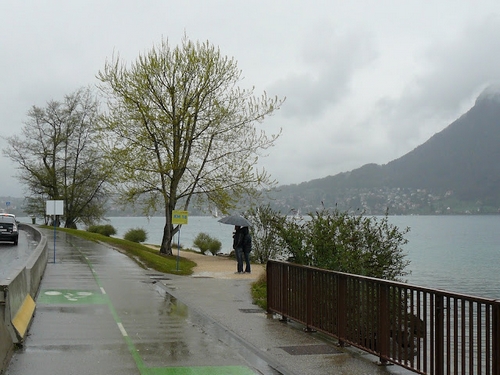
{"x": 58, "y": 158}
{"x": 180, "y": 128}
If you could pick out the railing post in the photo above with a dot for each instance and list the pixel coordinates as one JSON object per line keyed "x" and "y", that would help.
{"x": 383, "y": 330}
{"x": 284, "y": 292}
{"x": 496, "y": 338}
{"x": 439, "y": 335}
{"x": 270, "y": 286}
{"x": 309, "y": 300}
{"x": 342, "y": 308}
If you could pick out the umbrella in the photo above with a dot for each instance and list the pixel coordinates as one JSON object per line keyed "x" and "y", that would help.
{"x": 235, "y": 220}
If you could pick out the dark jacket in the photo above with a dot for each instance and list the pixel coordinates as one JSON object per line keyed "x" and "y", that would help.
{"x": 238, "y": 239}
{"x": 242, "y": 239}
{"x": 247, "y": 240}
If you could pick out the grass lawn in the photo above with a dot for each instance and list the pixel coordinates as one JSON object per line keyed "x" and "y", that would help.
{"x": 145, "y": 256}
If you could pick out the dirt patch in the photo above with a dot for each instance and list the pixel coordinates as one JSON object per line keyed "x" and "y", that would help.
{"x": 219, "y": 267}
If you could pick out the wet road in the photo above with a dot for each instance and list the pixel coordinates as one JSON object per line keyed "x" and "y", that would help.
{"x": 99, "y": 313}
{"x": 12, "y": 256}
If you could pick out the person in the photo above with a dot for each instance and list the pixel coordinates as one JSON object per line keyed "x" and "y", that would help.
{"x": 247, "y": 248}
{"x": 238, "y": 237}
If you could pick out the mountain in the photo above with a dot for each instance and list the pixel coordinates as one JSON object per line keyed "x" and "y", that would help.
{"x": 456, "y": 171}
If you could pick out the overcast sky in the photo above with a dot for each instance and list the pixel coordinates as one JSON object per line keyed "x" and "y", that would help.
{"x": 365, "y": 81}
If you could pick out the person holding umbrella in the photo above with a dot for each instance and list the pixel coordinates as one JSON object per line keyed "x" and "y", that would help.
{"x": 238, "y": 238}
{"x": 242, "y": 245}
{"x": 242, "y": 242}
{"x": 247, "y": 247}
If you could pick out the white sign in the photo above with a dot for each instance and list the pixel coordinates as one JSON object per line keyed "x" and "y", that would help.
{"x": 54, "y": 207}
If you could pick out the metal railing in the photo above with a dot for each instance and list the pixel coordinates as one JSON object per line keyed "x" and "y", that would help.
{"x": 425, "y": 330}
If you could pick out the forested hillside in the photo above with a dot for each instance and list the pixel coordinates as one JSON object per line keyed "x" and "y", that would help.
{"x": 455, "y": 171}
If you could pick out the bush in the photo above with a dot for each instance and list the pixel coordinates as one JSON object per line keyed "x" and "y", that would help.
{"x": 265, "y": 234}
{"x": 334, "y": 240}
{"x": 259, "y": 291}
{"x": 106, "y": 230}
{"x": 136, "y": 235}
{"x": 206, "y": 243}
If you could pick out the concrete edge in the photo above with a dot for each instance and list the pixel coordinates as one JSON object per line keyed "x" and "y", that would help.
{"x": 17, "y": 294}
{"x": 24, "y": 315}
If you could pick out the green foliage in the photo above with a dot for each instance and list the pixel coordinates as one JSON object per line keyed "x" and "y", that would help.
{"x": 205, "y": 243}
{"x": 356, "y": 244}
{"x": 335, "y": 240}
{"x": 180, "y": 123}
{"x": 136, "y": 235}
{"x": 145, "y": 256}
{"x": 265, "y": 238}
{"x": 259, "y": 291}
{"x": 105, "y": 230}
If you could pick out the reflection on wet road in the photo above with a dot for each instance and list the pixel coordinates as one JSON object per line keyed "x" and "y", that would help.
{"x": 12, "y": 256}
{"x": 95, "y": 303}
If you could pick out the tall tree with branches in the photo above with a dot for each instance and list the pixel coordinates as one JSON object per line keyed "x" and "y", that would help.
{"x": 179, "y": 128}
{"x": 58, "y": 158}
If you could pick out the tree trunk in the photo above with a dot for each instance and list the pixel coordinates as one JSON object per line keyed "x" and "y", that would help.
{"x": 70, "y": 223}
{"x": 166, "y": 242}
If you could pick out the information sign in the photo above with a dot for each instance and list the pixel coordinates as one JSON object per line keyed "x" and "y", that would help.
{"x": 54, "y": 207}
{"x": 179, "y": 217}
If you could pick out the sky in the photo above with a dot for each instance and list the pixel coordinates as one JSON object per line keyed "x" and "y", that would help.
{"x": 364, "y": 81}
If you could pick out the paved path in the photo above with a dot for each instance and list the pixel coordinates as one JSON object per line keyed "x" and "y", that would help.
{"x": 15, "y": 256}
{"x": 98, "y": 312}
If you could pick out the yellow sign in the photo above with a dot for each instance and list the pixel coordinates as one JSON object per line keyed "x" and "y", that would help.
{"x": 179, "y": 217}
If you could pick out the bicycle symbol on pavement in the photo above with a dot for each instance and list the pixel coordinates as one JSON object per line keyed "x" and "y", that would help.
{"x": 71, "y": 297}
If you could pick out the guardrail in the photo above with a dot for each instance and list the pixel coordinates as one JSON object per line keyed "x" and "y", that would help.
{"x": 17, "y": 294}
{"x": 425, "y": 330}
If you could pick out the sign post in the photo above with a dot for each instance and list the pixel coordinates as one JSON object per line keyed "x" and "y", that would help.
{"x": 179, "y": 217}
{"x": 54, "y": 208}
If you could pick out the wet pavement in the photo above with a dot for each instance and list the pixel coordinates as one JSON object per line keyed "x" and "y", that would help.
{"x": 15, "y": 256}
{"x": 98, "y": 312}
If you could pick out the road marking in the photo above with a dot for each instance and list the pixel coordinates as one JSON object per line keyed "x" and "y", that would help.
{"x": 141, "y": 366}
{"x": 122, "y": 330}
{"x": 71, "y": 296}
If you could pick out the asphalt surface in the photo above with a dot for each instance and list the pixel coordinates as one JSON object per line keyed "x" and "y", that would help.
{"x": 15, "y": 256}
{"x": 98, "y": 312}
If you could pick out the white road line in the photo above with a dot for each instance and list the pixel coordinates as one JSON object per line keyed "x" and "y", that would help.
{"x": 122, "y": 329}
{"x": 102, "y": 290}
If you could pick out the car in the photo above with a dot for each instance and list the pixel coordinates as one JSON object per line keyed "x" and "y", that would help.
{"x": 8, "y": 229}
{"x": 10, "y": 215}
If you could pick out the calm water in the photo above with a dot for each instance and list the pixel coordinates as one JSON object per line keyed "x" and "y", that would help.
{"x": 455, "y": 253}
{"x": 196, "y": 224}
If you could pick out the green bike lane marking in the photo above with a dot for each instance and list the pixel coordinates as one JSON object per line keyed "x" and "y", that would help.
{"x": 67, "y": 296}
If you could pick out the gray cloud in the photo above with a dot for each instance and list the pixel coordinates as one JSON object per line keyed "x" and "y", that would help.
{"x": 329, "y": 62}
{"x": 457, "y": 71}
{"x": 365, "y": 81}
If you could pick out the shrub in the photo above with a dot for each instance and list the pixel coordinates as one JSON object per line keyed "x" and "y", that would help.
{"x": 205, "y": 243}
{"x": 106, "y": 230}
{"x": 136, "y": 235}
{"x": 259, "y": 291}
{"x": 265, "y": 234}
{"x": 334, "y": 240}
